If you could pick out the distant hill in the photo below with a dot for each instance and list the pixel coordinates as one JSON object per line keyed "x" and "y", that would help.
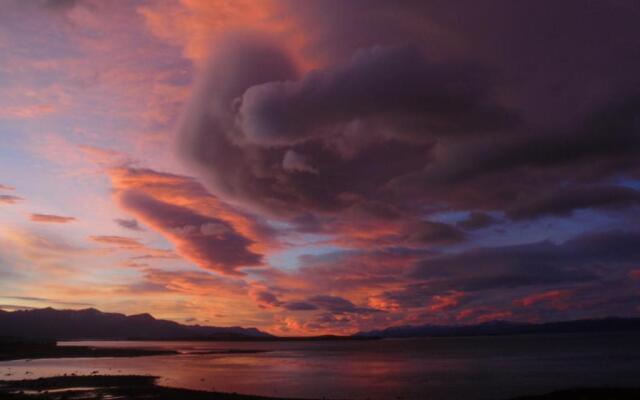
{"x": 507, "y": 328}
{"x": 48, "y": 323}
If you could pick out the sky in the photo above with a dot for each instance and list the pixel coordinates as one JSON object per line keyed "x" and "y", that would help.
{"x": 321, "y": 166}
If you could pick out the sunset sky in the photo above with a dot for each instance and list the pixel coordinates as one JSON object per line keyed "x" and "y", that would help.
{"x": 312, "y": 167}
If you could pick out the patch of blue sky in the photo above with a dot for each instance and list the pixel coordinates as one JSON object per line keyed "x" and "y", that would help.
{"x": 289, "y": 259}
{"x": 631, "y": 183}
{"x": 449, "y": 217}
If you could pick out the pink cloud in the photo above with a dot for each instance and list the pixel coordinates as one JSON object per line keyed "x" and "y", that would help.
{"x": 9, "y": 199}
{"x": 556, "y": 298}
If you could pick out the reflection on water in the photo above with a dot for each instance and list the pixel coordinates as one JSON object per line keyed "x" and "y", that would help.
{"x": 438, "y": 368}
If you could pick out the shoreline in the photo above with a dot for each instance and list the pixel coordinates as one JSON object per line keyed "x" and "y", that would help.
{"x": 139, "y": 387}
{"x": 22, "y": 353}
{"x": 108, "y": 386}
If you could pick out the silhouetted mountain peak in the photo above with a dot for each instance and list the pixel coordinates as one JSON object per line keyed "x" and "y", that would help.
{"x": 143, "y": 317}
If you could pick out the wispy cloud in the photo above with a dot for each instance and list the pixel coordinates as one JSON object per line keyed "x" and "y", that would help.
{"x": 51, "y": 218}
{"x": 9, "y": 199}
{"x": 48, "y": 301}
{"x": 131, "y": 224}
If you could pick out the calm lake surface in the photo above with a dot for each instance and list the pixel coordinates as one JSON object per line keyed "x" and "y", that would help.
{"x": 434, "y": 368}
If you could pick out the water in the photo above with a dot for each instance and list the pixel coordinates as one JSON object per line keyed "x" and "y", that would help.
{"x": 471, "y": 368}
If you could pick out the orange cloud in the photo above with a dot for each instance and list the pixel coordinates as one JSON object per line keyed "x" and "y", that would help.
{"x": 50, "y": 218}
{"x": 204, "y": 230}
{"x": 195, "y": 282}
{"x": 131, "y": 244}
{"x": 193, "y": 24}
{"x": 119, "y": 241}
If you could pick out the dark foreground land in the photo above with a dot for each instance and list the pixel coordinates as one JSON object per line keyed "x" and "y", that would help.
{"x": 105, "y": 387}
{"x": 144, "y": 387}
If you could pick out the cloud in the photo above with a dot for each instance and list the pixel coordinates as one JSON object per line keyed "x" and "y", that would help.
{"x": 300, "y": 306}
{"x": 554, "y": 297}
{"x": 26, "y": 111}
{"x": 583, "y": 276}
{"x": 199, "y": 283}
{"x": 115, "y": 242}
{"x": 118, "y": 241}
{"x": 224, "y": 252}
{"x": 358, "y": 134}
{"x": 48, "y": 301}
{"x": 396, "y": 83}
{"x": 562, "y": 202}
{"x": 49, "y": 218}
{"x": 428, "y": 232}
{"x": 6, "y": 187}
{"x": 273, "y": 120}
{"x": 13, "y": 307}
{"x": 295, "y": 162}
{"x": 541, "y": 263}
{"x": 581, "y": 260}
{"x": 417, "y": 110}
{"x": 477, "y": 220}
{"x": 130, "y": 224}
{"x": 204, "y": 231}
{"x": 59, "y": 4}
{"x": 9, "y": 199}
{"x": 264, "y": 298}
{"x": 338, "y": 305}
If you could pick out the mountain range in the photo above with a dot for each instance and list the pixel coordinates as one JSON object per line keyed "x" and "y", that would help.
{"x": 49, "y": 323}
{"x": 52, "y": 324}
{"x": 507, "y": 328}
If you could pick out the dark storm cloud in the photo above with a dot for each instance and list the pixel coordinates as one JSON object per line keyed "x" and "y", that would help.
{"x": 424, "y": 108}
{"x": 338, "y": 305}
{"x": 542, "y": 263}
{"x": 604, "y": 143}
{"x": 428, "y": 232}
{"x": 299, "y": 306}
{"x": 265, "y": 298}
{"x": 412, "y": 109}
{"x": 408, "y": 95}
{"x": 564, "y": 201}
